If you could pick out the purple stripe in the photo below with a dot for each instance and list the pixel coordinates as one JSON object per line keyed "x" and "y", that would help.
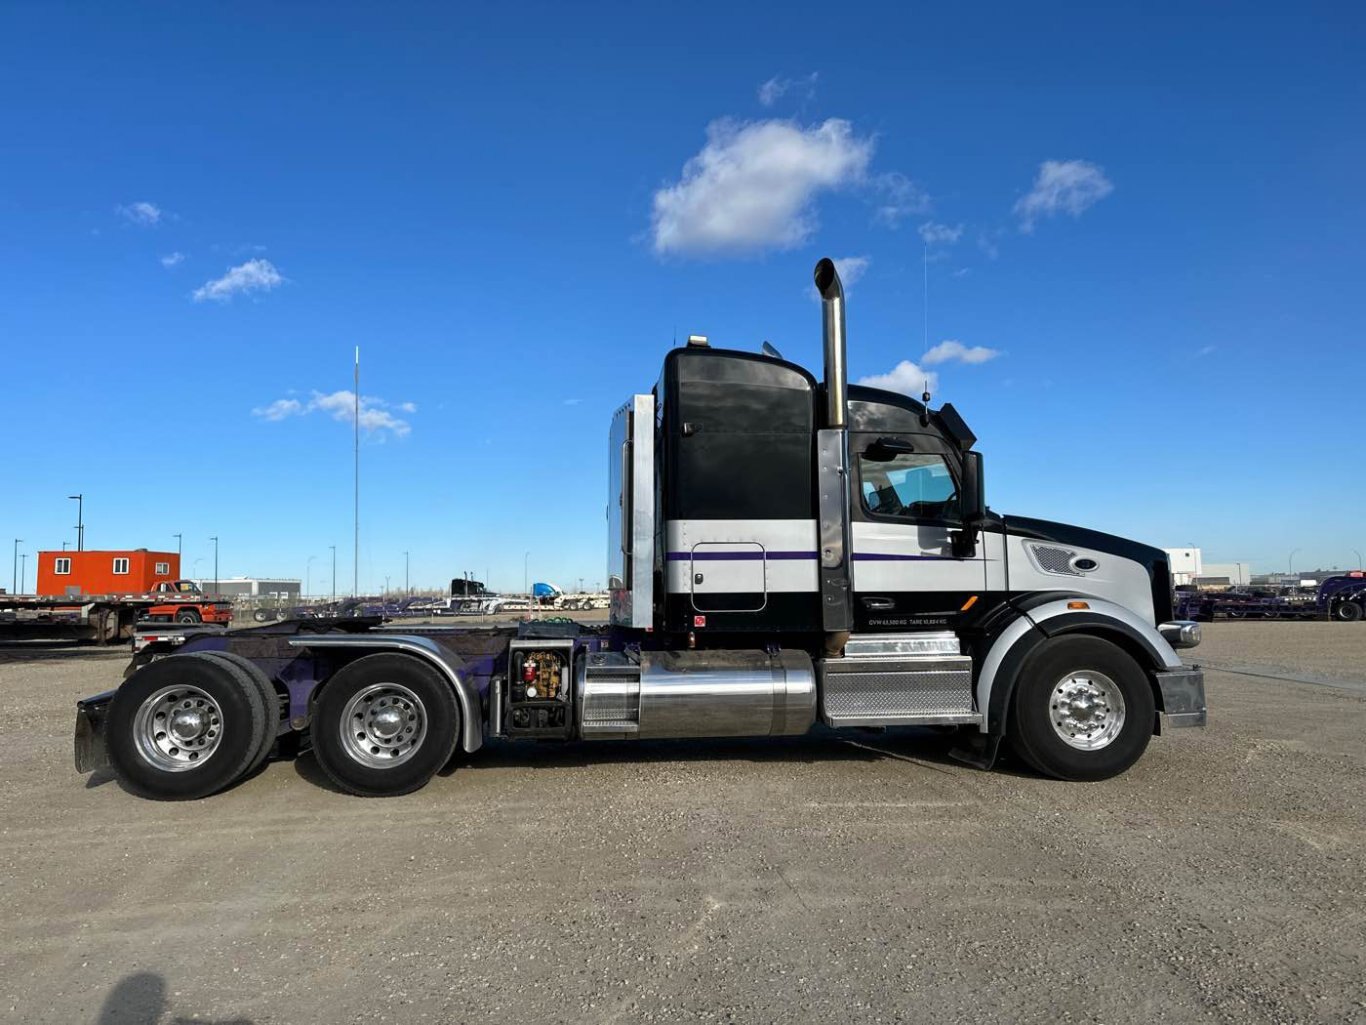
{"x": 736, "y": 556}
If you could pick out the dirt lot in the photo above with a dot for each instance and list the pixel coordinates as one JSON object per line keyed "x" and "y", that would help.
{"x": 806, "y": 880}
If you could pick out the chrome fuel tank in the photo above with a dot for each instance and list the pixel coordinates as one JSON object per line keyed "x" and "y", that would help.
{"x": 696, "y": 694}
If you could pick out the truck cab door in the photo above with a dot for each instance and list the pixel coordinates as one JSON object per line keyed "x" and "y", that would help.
{"x": 907, "y": 572}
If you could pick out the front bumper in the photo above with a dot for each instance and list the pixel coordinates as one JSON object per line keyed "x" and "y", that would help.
{"x": 91, "y": 713}
{"x": 1183, "y": 696}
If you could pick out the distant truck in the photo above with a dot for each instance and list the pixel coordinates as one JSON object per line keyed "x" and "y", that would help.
{"x": 101, "y": 595}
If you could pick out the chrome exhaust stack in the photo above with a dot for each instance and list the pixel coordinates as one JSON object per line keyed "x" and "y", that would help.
{"x": 832, "y": 467}
{"x": 831, "y": 291}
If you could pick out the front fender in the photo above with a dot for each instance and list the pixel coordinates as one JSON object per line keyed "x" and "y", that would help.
{"x": 1052, "y": 618}
{"x": 447, "y": 663}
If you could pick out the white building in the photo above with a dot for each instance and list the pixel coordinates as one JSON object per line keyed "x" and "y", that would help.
{"x": 1186, "y": 564}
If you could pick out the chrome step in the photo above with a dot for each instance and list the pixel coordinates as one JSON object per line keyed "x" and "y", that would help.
{"x": 890, "y": 646}
{"x": 906, "y": 690}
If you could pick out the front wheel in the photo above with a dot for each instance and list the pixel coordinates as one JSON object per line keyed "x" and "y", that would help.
{"x": 1082, "y": 710}
{"x": 384, "y": 725}
{"x": 188, "y": 616}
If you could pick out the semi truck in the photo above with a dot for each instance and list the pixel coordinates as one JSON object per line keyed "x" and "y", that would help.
{"x": 785, "y": 554}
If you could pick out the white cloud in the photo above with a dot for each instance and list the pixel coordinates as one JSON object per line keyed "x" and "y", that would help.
{"x": 375, "y": 413}
{"x": 898, "y": 198}
{"x": 906, "y": 377}
{"x": 1205, "y": 350}
{"x": 172, "y": 259}
{"x": 1062, "y": 186}
{"x": 952, "y": 351}
{"x": 987, "y": 244}
{"x": 144, "y": 213}
{"x": 940, "y": 234}
{"x": 252, "y": 276}
{"x": 775, "y": 88}
{"x": 280, "y": 409}
{"x": 752, "y": 186}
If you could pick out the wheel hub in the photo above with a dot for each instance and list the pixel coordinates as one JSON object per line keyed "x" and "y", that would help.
{"x": 178, "y": 728}
{"x": 383, "y": 725}
{"x": 1086, "y": 710}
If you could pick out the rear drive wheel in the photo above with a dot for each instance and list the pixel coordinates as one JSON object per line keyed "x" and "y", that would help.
{"x": 1082, "y": 710}
{"x": 250, "y": 675}
{"x": 188, "y": 616}
{"x": 183, "y": 727}
{"x": 1347, "y": 612}
{"x": 384, "y": 725}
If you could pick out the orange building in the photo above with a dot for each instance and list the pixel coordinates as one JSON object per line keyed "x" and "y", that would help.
{"x": 61, "y": 574}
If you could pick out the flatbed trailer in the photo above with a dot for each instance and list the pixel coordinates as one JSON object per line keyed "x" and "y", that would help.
{"x": 1340, "y": 597}
{"x": 102, "y": 618}
{"x": 784, "y": 554}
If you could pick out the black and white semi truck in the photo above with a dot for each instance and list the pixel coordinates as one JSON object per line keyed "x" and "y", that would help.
{"x": 784, "y": 554}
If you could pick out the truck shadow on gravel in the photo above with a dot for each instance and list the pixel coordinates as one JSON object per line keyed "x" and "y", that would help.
{"x": 923, "y": 747}
{"x": 140, "y": 999}
{"x": 20, "y": 652}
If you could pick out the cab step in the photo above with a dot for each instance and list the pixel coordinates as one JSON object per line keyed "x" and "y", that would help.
{"x": 910, "y": 679}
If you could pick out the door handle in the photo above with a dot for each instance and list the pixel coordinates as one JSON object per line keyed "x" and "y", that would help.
{"x": 880, "y": 604}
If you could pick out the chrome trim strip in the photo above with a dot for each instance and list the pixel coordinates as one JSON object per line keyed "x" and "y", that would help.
{"x": 471, "y": 719}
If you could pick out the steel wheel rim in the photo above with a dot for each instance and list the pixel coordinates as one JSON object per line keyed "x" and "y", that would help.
{"x": 1086, "y": 710}
{"x": 178, "y": 728}
{"x": 383, "y": 725}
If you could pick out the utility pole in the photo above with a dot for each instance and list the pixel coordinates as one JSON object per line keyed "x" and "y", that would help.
{"x": 214, "y": 539}
{"x": 179, "y": 543}
{"x": 80, "y": 521}
{"x": 334, "y": 571}
{"x": 406, "y": 590}
{"x": 355, "y": 568}
{"x": 14, "y": 583}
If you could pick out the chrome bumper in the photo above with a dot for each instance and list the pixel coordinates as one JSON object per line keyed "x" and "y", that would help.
{"x": 1183, "y": 697}
{"x": 1180, "y": 633}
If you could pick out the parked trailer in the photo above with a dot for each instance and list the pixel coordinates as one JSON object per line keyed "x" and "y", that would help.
{"x": 1341, "y": 597}
{"x": 783, "y": 554}
{"x": 105, "y": 618}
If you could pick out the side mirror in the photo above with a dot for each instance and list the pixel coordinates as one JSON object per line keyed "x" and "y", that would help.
{"x": 974, "y": 493}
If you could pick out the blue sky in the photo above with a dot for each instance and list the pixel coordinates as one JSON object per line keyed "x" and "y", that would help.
{"x": 1145, "y": 240}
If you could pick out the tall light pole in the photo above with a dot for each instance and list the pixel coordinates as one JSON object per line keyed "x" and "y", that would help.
{"x": 179, "y": 543}
{"x": 194, "y": 569}
{"x": 525, "y": 561}
{"x": 23, "y": 569}
{"x": 405, "y": 575}
{"x": 308, "y": 576}
{"x": 1290, "y": 564}
{"x": 1358, "y": 555}
{"x": 214, "y": 539}
{"x": 14, "y": 583}
{"x": 334, "y": 571}
{"x": 80, "y": 520}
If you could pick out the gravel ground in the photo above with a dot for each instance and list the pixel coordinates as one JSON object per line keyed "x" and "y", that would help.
{"x": 815, "y": 879}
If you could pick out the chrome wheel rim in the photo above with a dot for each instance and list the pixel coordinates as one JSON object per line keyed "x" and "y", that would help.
{"x": 1086, "y": 710}
{"x": 178, "y": 728}
{"x": 383, "y": 725}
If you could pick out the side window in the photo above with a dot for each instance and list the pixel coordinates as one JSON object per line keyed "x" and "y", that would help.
{"x": 62, "y": 567}
{"x": 163, "y": 568}
{"x": 907, "y": 485}
{"x": 120, "y": 565}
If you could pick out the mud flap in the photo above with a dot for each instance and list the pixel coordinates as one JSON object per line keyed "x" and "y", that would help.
{"x": 90, "y": 749}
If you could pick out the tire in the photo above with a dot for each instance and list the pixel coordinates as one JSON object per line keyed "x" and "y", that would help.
{"x": 261, "y": 616}
{"x": 1090, "y": 671}
{"x": 188, "y": 616}
{"x": 374, "y": 694}
{"x": 227, "y": 720}
{"x": 250, "y": 675}
{"x": 1347, "y": 612}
